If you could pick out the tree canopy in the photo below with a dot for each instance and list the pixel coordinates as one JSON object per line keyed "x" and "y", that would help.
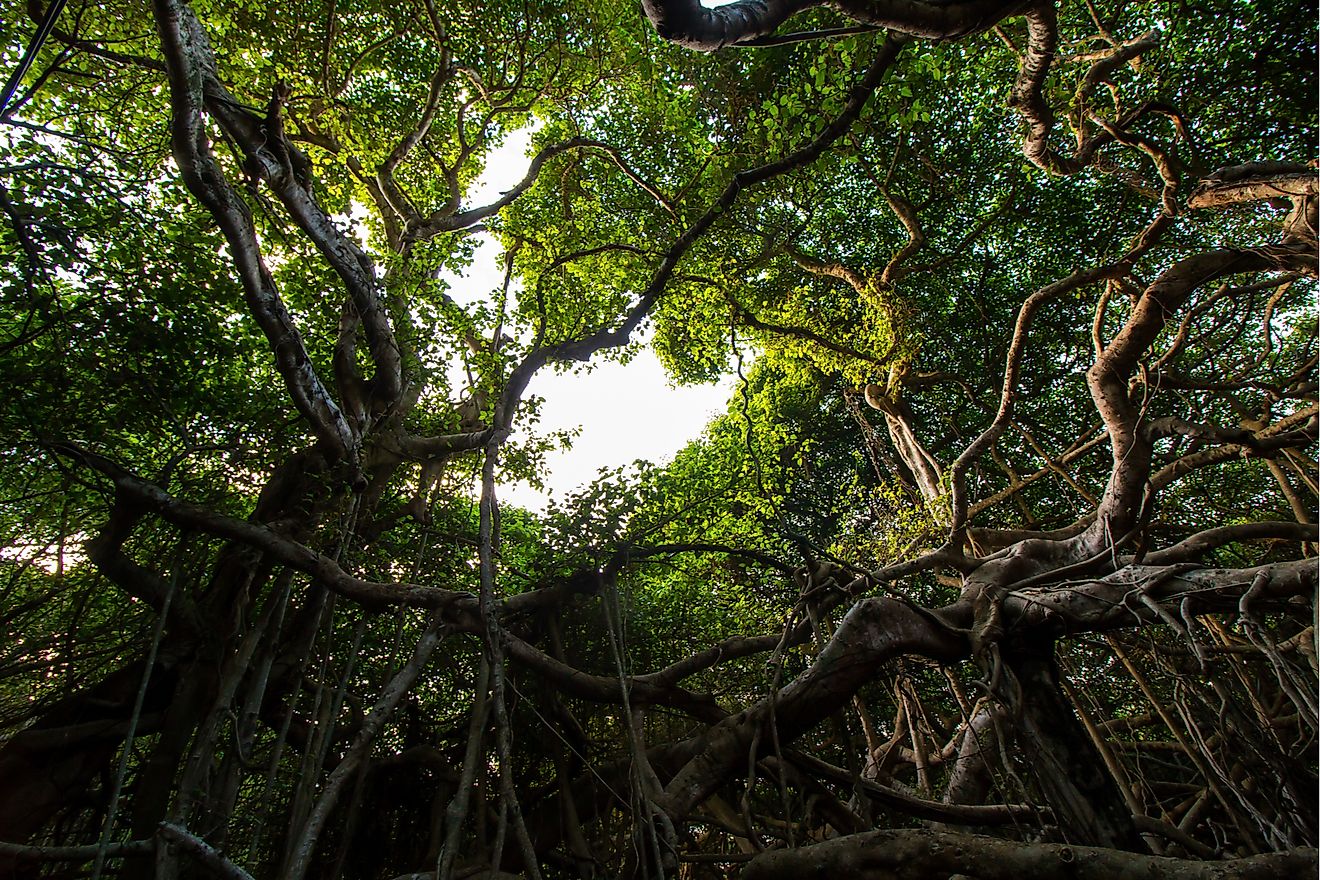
{"x": 1000, "y": 563}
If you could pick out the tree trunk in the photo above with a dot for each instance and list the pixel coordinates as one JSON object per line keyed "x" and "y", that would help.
{"x": 1088, "y": 807}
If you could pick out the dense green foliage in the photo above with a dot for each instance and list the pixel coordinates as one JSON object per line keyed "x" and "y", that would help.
{"x": 255, "y": 584}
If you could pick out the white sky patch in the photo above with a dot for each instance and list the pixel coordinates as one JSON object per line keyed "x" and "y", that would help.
{"x": 625, "y": 412}
{"x": 52, "y": 558}
{"x": 505, "y": 165}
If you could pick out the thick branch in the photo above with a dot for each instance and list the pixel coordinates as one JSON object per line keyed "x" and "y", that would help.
{"x": 1108, "y": 376}
{"x": 694, "y": 26}
{"x": 208, "y": 857}
{"x": 1203, "y": 542}
{"x": 894, "y": 799}
{"x": 134, "y": 490}
{"x": 271, "y": 157}
{"x": 187, "y": 56}
{"x": 606, "y": 688}
{"x": 1296, "y": 429}
{"x": 1252, "y": 183}
{"x": 874, "y": 631}
{"x": 882, "y": 855}
{"x": 1130, "y": 596}
{"x": 21, "y": 852}
{"x": 1012, "y": 368}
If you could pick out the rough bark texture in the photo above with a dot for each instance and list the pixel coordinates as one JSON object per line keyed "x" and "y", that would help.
{"x": 916, "y": 855}
{"x": 357, "y": 670}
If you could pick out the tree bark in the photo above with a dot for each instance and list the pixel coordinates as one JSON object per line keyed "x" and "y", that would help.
{"x": 920, "y": 855}
{"x": 1088, "y": 807}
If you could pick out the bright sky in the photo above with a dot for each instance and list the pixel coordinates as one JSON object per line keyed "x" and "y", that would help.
{"x": 625, "y": 412}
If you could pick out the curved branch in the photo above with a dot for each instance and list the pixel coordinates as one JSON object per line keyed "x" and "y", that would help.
{"x": 1108, "y": 377}
{"x": 1296, "y": 429}
{"x": 1254, "y": 182}
{"x": 1012, "y": 368}
{"x": 1053, "y": 466}
{"x": 186, "y": 55}
{"x": 1201, "y": 543}
{"x": 1028, "y": 98}
{"x": 452, "y": 221}
{"x": 22, "y": 852}
{"x": 731, "y": 648}
{"x": 36, "y": 13}
{"x": 874, "y": 631}
{"x": 606, "y": 688}
{"x": 877, "y": 630}
{"x": 1027, "y": 95}
{"x": 694, "y": 26}
{"x": 854, "y": 279}
{"x": 894, "y": 799}
{"x": 390, "y": 200}
{"x": 907, "y": 215}
{"x": 460, "y": 606}
{"x": 634, "y": 551}
{"x": 268, "y": 155}
{"x": 1135, "y": 594}
{"x": 147, "y": 496}
{"x": 803, "y": 333}
{"x": 439, "y": 446}
{"x": 208, "y": 857}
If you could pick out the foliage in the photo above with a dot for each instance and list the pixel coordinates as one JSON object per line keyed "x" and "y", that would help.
{"x": 1018, "y": 476}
